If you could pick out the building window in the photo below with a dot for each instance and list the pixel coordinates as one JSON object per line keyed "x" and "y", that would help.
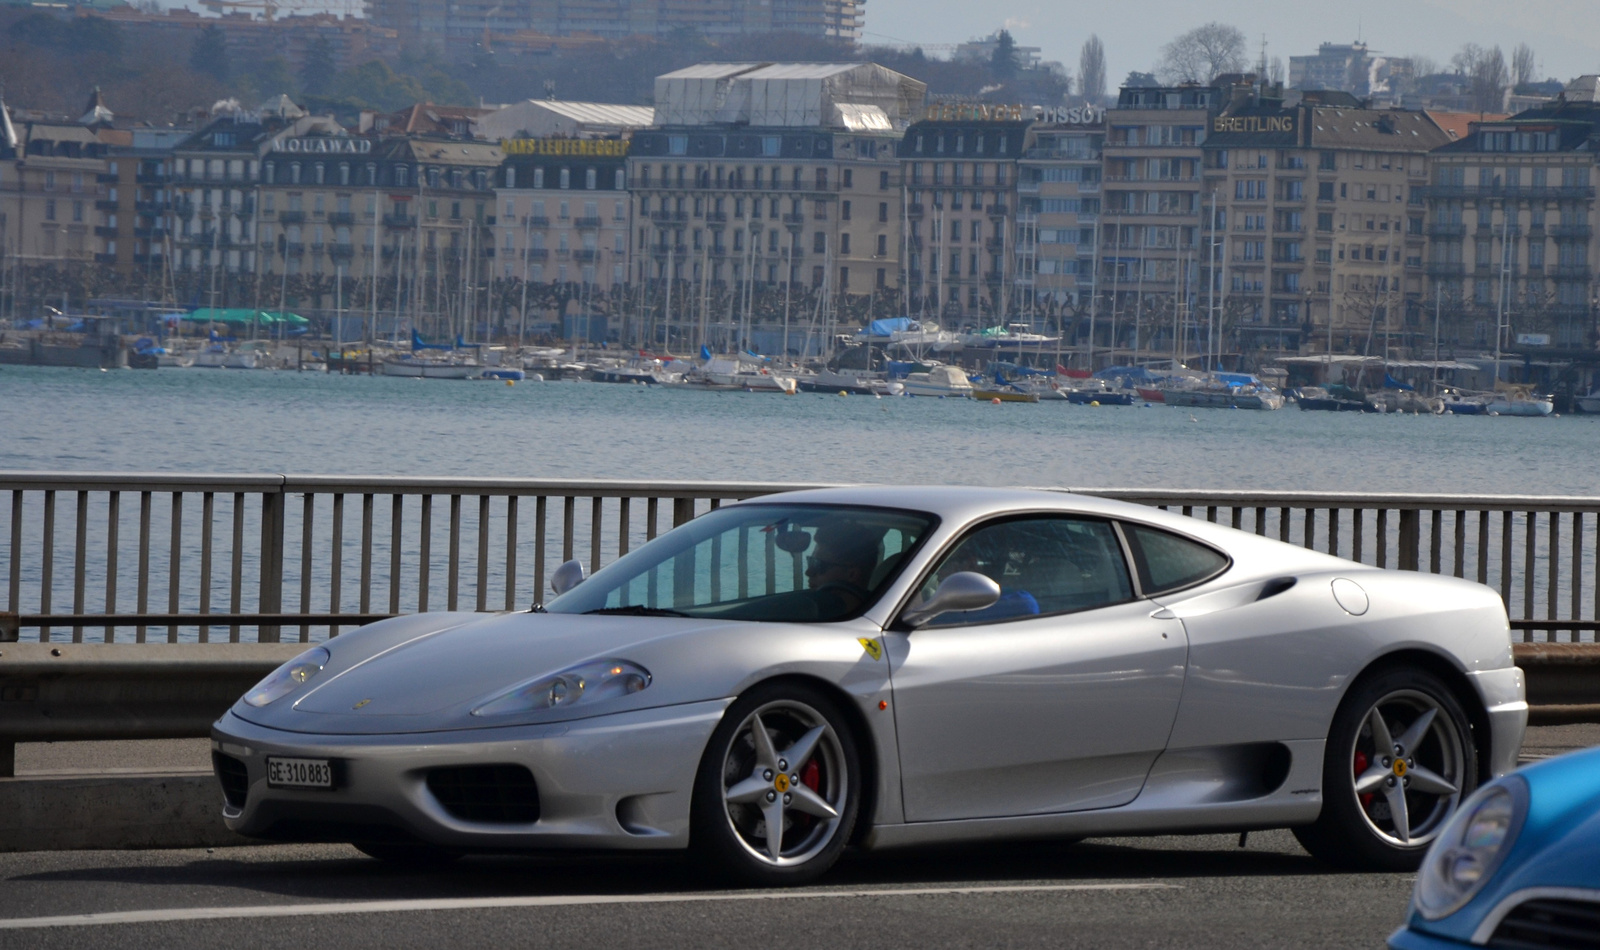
{"x": 50, "y": 209}
{"x": 844, "y": 211}
{"x": 566, "y": 178}
{"x": 883, "y": 246}
{"x": 677, "y": 145}
{"x": 590, "y": 179}
{"x": 619, "y": 180}
{"x": 819, "y": 242}
{"x": 844, "y": 243}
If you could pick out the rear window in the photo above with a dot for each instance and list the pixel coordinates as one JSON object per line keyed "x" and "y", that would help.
{"x": 1168, "y": 562}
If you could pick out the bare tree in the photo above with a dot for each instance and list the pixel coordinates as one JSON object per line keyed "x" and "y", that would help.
{"x": 1522, "y": 65}
{"x": 1423, "y": 65}
{"x": 1092, "y": 70}
{"x": 1485, "y": 70}
{"x": 1203, "y": 54}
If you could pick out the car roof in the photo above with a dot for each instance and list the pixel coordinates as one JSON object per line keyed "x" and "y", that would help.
{"x": 962, "y": 503}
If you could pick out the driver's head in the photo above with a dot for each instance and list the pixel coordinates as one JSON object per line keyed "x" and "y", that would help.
{"x": 843, "y": 553}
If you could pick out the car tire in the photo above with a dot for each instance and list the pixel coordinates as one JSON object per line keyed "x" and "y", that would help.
{"x": 417, "y": 856}
{"x": 741, "y": 784}
{"x": 1384, "y": 803}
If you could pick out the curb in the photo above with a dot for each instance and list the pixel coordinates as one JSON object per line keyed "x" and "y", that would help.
{"x": 113, "y": 812}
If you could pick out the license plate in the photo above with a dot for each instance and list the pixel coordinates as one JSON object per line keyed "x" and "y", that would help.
{"x": 299, "y": 773}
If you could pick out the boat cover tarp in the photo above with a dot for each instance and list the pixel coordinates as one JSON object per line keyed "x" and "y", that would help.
{"x": 887, "y": 328}
{"x": 245, "y": 317}
{"x": 1136, "y": 374}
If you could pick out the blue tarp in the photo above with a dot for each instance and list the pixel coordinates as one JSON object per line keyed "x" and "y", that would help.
{"x": 1389, "y": 382}
{"x": 887, "y": 328}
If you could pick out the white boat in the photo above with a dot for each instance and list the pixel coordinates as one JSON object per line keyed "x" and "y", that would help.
{"x": 1518, "y": 402}
{"x": 217, "y": 356}
{"x": 1589, "y": 403}
{"x": 430, "y": 369}
{"x": 638, "y": 371}
{"x": 727, "y": 373}
{"x": 1017, "y": 336}
{"x": 939, "y": 381}
{"x": 854, "y": 381}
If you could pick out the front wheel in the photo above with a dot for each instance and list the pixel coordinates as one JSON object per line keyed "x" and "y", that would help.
{"x": 1400, "y": 759}
{"x": 779, "y": 787}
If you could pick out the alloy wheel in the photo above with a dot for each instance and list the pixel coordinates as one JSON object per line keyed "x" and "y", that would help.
{"x": 784, "y": 783}
{"x": 1408, "y": 766}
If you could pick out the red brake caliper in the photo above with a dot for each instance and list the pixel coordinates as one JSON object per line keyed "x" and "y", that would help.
{"x": 1361, "y": 766}
{"x": 811, "y": 775}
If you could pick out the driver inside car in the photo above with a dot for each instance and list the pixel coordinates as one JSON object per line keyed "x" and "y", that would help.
{"x": 842, "y": 561}
{"x": 979, "y": 554}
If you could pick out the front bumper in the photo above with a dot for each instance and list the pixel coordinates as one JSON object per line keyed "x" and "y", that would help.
{"x": 1505, "y": 700}
{"x": 621, "y": 781}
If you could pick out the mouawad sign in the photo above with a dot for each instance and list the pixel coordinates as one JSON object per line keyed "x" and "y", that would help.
{"x": 323, "y": 145}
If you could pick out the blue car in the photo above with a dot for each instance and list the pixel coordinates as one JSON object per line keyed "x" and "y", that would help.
{"x": 1517, "y": 866}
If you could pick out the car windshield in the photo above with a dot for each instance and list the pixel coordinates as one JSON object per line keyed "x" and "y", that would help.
{"x": 768, "y": 562}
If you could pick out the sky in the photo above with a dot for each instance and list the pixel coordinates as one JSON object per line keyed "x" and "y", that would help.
{"x": 1565, "y": 34}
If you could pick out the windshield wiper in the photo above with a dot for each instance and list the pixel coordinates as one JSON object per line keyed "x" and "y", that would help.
{"x": 638, "y": 610}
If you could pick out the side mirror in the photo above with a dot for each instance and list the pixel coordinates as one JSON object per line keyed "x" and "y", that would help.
{"x": 566, "y": 577}
{"x": 967, "y": 590}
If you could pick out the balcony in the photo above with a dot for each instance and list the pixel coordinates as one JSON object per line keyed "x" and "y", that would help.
{"x": 1453, "y": 269}
{"x": 587, "y": 224}
{"x": 678, "y": 250}
{"x": 1511, "y": 192}
{"x": 337, "y": 218}
{"x": 291, "y": 217}
{"x": 1570, "y": 232}
{"x": 535, "y": 221}
{"x": 342, "y": 251}
{"x": 317, "y": 247}
{"x": 914, "y": 210}
{"x": 994, "y": 244}
{"x": 997, "y": 210}
{"x": 1578, "y": 272}
{"x": 1447, "y": 229}
{"x": 537, "y": 253}
{"x": 1027, "y": 187}
{"x": 794, "y": 220}
{"x": 397, "y": 221}
{"x": 294, "y": 249}
{"x": 105, "y": 232}
{"x": 658, "y": 216}
{"x": 586, "y": 255}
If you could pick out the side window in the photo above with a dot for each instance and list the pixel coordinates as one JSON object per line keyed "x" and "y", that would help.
{"x": 1168, "y": 562}
{"x": 1043, "y": 566}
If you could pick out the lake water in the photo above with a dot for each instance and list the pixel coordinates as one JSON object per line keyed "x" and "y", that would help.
{"x": 205, "y": 421}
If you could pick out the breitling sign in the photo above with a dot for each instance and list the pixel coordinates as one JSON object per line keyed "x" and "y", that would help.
{"x": 324, "y": 146}
{"x": 973, "y": 112}
{"x": 1253, "y": 123}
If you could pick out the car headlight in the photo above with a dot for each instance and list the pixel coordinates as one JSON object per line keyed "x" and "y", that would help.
{"x": 1470, "y": 848}
{"x": 588, "y": 683}
{"x": 288, "y": 677}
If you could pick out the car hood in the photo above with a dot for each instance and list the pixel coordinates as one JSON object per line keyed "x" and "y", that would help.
{"x": 425, "y": 678}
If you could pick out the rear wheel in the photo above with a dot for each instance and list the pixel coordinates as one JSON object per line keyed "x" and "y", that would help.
{"x": 778, "y": 790}
{"x": 1400, "y": 759}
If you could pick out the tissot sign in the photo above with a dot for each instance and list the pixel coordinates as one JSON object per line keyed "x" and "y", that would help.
{"x": 324, "y": 146}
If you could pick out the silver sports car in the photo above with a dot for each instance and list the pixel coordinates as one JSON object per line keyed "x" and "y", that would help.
{"x": 787, "y": 676}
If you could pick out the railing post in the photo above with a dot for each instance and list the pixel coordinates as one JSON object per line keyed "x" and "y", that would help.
{"x": 10, "y": 627}
{"x": 1410, "y": 539}
{"x": 271, "y": 600}
{"x": 8, "y": 758}
{"x": 682, "y": 511}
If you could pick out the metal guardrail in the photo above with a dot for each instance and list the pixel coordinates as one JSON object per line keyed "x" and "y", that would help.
{"x": 313, "y": 553}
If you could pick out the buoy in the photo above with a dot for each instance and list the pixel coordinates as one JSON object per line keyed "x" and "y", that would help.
{"x": 511, "y": 382}
{"x": 1094, "y": 402}
{"x": 995, "y": 400}
{"x": 843, "y": 393}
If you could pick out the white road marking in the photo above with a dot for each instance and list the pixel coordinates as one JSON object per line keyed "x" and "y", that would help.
{"x": 481, "y": 903}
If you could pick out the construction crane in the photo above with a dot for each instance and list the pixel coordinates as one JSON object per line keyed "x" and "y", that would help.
{"x": 269, "y": 8}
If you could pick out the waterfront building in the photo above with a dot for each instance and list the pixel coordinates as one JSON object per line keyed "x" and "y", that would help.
{"x": 1510, "y": 217}
{"x": 52, "y": 191}
{"x": 773, "y": 173}
{"x": 564, "y": 212}
{"x": 136, "y": 228}
{"x": 960, "y": 168}
{"x": 1150, "y": 215}
{"x": 214, "y": 183}
{"x": 1315, "y": 222}
{"x": 1058, "y": 208}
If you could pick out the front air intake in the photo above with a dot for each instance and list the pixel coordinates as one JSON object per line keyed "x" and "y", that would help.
{"x": 233, "y": 777}
{"x": 490, "y": 794}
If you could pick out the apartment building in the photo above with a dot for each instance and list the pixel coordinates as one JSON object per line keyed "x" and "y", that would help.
{"x": 1510, "y": 218}
{"x": 50, "y": 184}
{"x": 960, "y": 169}
{"x": 1150, "y": 216}
{"x": 1315, "y": 222}
{"x": 1058, "y": 207}
{"x": 137, "y": 201}
{"x": 775, "y": 173}
{"x": 564, "y": 211}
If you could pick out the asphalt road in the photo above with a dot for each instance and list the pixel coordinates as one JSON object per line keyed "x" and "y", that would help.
{"x": 1198, "y": 891}
{"x": 1201, "y": 891}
